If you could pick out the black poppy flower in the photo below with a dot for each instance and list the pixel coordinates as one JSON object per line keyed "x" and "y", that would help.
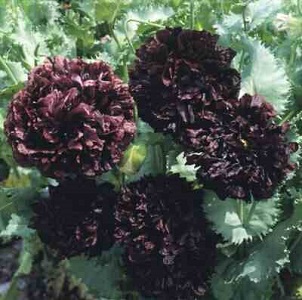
{"x": 76, "y": 218}
{"x": 169, "y": 252}
{"x": 179, "y": 69}
{"x": 72, "y": 117}
{"x": 241, "y": 150}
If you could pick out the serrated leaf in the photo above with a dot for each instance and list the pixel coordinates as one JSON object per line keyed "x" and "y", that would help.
{"x": 265, "y": 75}
{"x": 185, "y": 171}
{"x": 101, "y": 275}
{"x": 258, "y": 12}
{"x": 231, "y": 24}
{"x": 15, "y": 201}
{"x": 145, "y": 13}
{"x": 105, "y": 10}
{"x": 266, "y": 258}
{"x": 40, "y": 13}
{"x": 243, "y": 290}
{"x": 237, "y": 220}
{"x": 31, "y": 42}
{"x": 17, "y": 227}
{"x": 14, "y": 72}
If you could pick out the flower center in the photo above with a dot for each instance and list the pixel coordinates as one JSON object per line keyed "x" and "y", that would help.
{"x": 244, "y": 143}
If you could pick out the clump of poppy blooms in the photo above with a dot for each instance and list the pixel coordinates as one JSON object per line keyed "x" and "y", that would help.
{"x": 178, "y": 71}
{"x": 77, "y": 217}
{"x": 168, "y": 251}
{"x": 71, "y": 118}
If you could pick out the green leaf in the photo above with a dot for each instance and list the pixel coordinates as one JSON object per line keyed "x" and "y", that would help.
{"x": 32, "y": 43}
{"x": 266, "y": 258}
{"x": 258, "y": 12}
{"x": 295, "y": 255}
{"x": 243, "y": 290}
{"x": 102, "y": 275}
{"x": 265, "y": 75}
{"x": 185, "y": 171}
{"x": 237, "y": 220}
{"x": 15, "y": 201}
{"x": 231, "y": 24}
{"x": 11, "y": 90}
{"x": 14, "y": 72}
{"x": 105, "y": 10}
{"x": 17, "y": 227}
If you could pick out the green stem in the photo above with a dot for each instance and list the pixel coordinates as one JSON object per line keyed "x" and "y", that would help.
{"x": 192, "y": 16}
{"x": 8, "y": 70}
{"x": 251, "y": 211}
{"x": 114, "y": 37}
{"x": 244, "y": 20}
{"x": 125, "y": 71}
{"x": 16, "y": 171}
{"x": 288, "y": 116}
{"x": 240, "y": 210}
{"x": 241, "y": 60}
{"x": 280, "y": 285}
{"x": 140, "y": 22}
{"x": 127, "y": 36}
{"x": 146, "y": 23}
{"x": 5, "y": 206}
{"x": 299, "y": 7}
{"x": 293, "y": 54}
{"x": 118, "y": 5}
{"x": 221, "y": 7}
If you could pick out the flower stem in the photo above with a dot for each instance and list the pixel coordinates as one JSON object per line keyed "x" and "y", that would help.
{"x": 140, "y": 22}
{"x": 240, "y": 211}
{"x": 280, "y": 285}
{"x": 118, "y": 5}
{"x": 127, "y": 36}
{"x": 5, "y": 206}
{"x": 288, "y": 116}
{"x": 8, "y": 70}
{"x": 192, "y": 16}
{"x": 251, "y": 211}
{"x": 112, "y": 33}
{"x": 299, "y": 7}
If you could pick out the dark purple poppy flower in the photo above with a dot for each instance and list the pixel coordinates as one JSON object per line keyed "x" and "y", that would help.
{"x": 177, "y": 70}
{"x": 78, "y": 217}
{"x": 168, "y": 251}
{"x": 241, "y": 150}
{"x": 72, "y": 117}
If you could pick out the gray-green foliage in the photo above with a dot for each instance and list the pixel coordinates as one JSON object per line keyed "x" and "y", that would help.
{"x": 238, "y": 221}
{"x": 103, "y": 275}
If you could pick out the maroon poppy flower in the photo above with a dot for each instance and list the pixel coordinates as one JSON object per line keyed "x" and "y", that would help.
{"x": 177, "y": 70}
{"x": 241, "y": 150}
{"x": 78, "y": 217}
{"x": 168, "y": 251}
{"x": 72, "y": 117}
